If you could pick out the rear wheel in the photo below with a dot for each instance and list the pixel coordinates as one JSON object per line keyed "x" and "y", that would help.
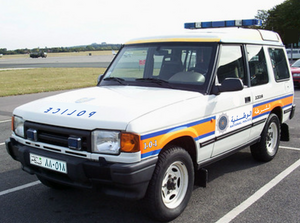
{"x": 267, "y": 148}
{"x": 172, "y": 183}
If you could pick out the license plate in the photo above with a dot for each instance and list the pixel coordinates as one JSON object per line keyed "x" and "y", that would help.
{"x": 45, "y": 162}
{"x": 296, "y": 75}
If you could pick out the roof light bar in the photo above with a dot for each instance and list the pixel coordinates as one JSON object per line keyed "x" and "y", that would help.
{"x": 226, "y": 23}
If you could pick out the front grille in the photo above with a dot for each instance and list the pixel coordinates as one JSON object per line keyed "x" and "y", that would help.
{"x": 58, "y": 135}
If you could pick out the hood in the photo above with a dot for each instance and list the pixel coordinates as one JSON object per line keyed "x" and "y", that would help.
{"x": 108, "y": 107}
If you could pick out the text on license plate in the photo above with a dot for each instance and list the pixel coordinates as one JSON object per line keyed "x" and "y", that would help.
{"x": 52, "y": 164}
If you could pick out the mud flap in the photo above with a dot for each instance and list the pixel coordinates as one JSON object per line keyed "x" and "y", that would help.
{"x": 285, "y": 133}
{"x": 201, "y": 177}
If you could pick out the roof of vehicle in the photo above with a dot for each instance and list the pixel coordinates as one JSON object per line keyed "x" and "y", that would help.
{"x": 223, "y": 35}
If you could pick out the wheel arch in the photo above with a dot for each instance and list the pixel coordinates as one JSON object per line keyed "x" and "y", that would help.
{"x": 278, "y": 111}
{"x": 187, "y": 143}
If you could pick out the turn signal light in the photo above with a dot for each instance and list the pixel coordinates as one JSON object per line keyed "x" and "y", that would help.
{"x": 130, "y": 143}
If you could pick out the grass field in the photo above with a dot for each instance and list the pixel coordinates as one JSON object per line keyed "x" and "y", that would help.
{"x": 27, "y": 81}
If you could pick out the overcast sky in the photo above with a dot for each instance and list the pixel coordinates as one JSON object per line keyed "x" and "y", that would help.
{"x": 56, "y": 23}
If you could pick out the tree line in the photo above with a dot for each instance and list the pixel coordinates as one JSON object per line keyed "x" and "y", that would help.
{"x": 92, "y": 47}
{"x": 283, "y": 19}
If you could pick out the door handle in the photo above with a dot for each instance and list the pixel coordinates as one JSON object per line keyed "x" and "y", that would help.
{"x": 247, "y": 99}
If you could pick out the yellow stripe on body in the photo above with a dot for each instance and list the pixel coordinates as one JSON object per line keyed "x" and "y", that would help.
{"x": 153, "y": 143}
{"x": 266, "y": 107}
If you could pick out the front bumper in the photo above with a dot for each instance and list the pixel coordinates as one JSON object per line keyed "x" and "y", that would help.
{"x": 117, "y": 179}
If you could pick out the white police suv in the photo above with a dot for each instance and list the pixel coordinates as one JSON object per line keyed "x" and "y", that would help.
{"x": 165, "y": 108}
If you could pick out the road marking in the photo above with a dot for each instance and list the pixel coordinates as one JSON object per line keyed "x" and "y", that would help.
{"x": 258, "y": 194}
{"x": 290, "y": 148}
{"x": 2, "y": 143}
{"x": 4, "y": 121}
{"x": 19, "y": 188}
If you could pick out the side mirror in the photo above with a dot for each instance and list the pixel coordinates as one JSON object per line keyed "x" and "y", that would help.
{"x": 229, "y": 84}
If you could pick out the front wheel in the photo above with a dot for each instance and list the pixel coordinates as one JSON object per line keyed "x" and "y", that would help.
{"x": 171, "y": 185}
{"x": 266, "y": 149}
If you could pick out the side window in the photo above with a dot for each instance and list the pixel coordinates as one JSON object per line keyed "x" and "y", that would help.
{"x": 231, "y": 64}
{"x": 257, "y": 65}
{"x": 279, "y": 64}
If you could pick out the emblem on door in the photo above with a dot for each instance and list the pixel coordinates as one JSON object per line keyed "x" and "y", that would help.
{"x": 223, "y": 123}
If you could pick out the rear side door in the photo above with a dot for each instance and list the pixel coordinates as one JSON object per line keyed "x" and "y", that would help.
{"x": 272, "y": 85}
{"x": 261, "y": 86}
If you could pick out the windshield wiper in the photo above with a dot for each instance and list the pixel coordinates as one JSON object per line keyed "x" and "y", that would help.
{"x": 118, "y": 79}
{"x": 153, "y": 80}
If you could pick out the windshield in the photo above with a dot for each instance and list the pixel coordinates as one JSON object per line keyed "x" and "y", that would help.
{"x": 169, "y": 65}
{"x": 296, "y": 64}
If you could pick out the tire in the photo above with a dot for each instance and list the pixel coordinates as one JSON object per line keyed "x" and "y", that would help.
{"x": 267, "y": 148}
{"x": 52, "y": 184}
{"x": 171, "y": 185}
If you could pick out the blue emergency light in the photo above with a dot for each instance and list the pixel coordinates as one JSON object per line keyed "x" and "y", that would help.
{"x": 226, "y": 23}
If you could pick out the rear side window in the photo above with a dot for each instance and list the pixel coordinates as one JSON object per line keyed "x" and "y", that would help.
{"x": 279, "y": 64}
{"x": 257, "y": 65}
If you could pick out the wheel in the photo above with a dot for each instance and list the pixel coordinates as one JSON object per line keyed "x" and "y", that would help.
{"x": 266, "y": 149}
{"x": 52, "y": 184}
{"x": 171, "y": 185}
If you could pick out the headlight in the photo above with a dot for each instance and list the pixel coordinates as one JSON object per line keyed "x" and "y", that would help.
{"x": 18, "y": 125}
{"x": 106, "y": 142}
{"x": 114, "y": 142}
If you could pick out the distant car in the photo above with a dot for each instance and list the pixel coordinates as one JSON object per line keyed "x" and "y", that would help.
{"x": 38, "y": 54}
{"x": 295, "y": 68}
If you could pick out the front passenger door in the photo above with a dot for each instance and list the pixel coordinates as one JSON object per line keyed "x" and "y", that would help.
{"x": 233, "y": 109}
